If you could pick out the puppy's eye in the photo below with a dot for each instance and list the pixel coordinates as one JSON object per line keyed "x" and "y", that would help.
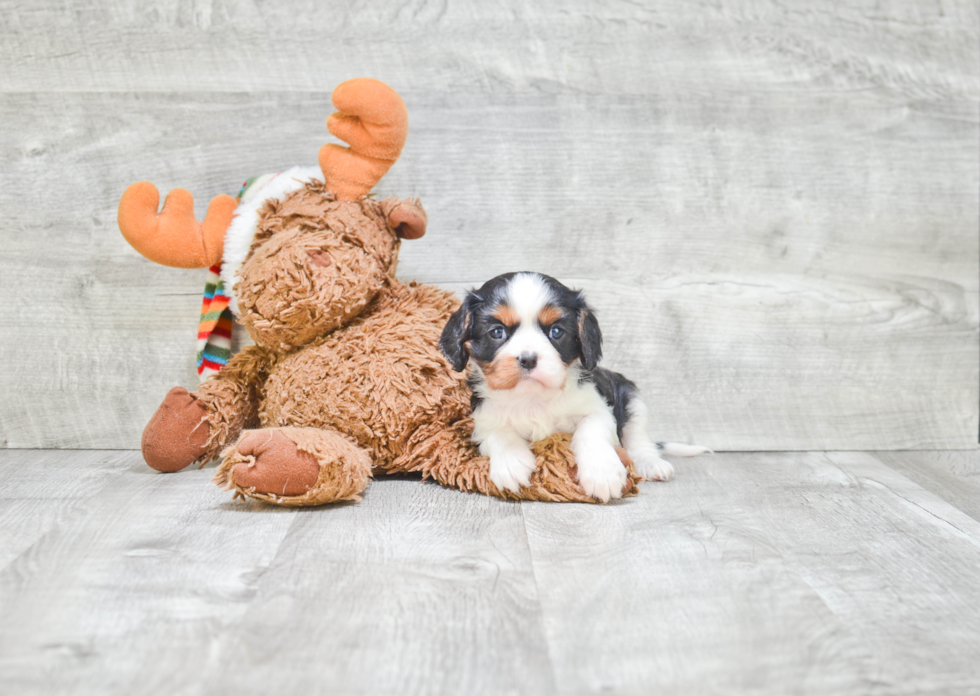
{"x": 496, "y": 333}
{"x": 556, "y": 332}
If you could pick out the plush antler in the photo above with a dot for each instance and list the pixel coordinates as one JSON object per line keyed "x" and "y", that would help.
{"x": 174, "y": 237}
{"x": 372, "y": 119}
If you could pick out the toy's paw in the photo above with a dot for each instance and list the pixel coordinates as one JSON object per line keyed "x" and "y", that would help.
{"x": 177, "y": 434}
{"x": 601, "y": 473}
{"x": 651, "y": 467}
{"x": 274, "y": 465}
{"x": 294, "y": 467}
{"x": 511, "y": 469}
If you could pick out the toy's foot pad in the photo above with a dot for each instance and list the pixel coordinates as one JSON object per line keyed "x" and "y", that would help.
{"x": 274, "y": 465}
{"x": 177, "y": 434}
{"x": 294, "y": 467}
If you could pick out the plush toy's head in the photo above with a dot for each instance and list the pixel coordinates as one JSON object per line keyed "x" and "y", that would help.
{"x": 310, "y": 256}
{"x": 317, "y": 262}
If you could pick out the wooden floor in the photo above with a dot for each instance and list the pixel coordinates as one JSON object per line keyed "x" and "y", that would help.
{"x": 776, "y": 573}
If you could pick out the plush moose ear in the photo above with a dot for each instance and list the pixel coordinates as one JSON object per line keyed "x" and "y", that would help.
{"x": 590, "y": 338}
{"x": 453, "y": 340}
{"x": 405, "y": 217}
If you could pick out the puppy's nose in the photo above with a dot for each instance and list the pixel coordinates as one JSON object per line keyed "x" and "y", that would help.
{"x": 528, "y": 360}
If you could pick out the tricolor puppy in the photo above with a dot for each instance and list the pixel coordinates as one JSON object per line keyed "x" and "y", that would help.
{"x": 533, "y": 348}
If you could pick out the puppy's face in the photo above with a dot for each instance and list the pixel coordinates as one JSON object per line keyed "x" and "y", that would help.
{"x": 523, "y": 330}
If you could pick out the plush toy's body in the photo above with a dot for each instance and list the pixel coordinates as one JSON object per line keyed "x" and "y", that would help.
{"x": 346, "y": 378}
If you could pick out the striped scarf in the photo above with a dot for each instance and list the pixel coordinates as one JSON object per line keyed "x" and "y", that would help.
{"x": 215, "y": 327}
{"x": 214, "y": 330}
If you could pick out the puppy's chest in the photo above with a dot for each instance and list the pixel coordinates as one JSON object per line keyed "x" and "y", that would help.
{"x": 533, "y": 418}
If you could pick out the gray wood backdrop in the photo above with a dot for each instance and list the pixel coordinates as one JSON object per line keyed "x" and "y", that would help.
{"x": 773, "y": 205}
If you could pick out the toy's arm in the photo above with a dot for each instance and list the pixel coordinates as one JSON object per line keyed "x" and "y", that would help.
{"x": 189, "y": 428}
{"x": 232, "y": 396}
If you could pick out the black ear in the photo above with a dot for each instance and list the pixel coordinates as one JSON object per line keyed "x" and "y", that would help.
{"x": 590, "y": 338}
{"x": 453, "y": 340}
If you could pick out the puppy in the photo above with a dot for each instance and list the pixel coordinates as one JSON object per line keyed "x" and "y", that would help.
{"x": 533, "y": 348}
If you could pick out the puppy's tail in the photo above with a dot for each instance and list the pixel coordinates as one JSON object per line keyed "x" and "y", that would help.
{"x": 680, "y": 450}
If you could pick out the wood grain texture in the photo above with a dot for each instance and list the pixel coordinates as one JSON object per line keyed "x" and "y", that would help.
{"x": 773, "y": 206}
{"x": 41, "y": 489}
{"x": 953, "y": 476}
{"x": 414, "y": 590}
{"x": 616, "y": 48}
{"x": 763, "y": 573}
{"x": 123, "y": 594}
{"x": 831, "y": 573}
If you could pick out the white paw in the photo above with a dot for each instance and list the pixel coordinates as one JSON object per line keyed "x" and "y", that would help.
{"x": 600, "y": 471}
{"x": 512, "y": 469}
{"x": 650, "y": 466}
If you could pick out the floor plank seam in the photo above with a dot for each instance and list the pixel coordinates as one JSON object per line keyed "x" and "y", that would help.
{"x": 537, "y": 597}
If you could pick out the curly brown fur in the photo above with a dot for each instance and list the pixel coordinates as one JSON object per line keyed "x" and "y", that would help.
{"x": 379, "y": 380}
{"x": 231, "y": 398}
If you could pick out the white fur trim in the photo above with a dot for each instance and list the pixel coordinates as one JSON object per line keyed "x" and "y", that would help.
{"x": 241, "y": 231}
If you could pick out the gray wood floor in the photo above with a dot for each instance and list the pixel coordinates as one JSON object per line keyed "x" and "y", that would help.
{"x": 773, "y": 573}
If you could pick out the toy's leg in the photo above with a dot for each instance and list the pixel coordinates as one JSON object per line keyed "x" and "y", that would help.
{"x": 177, "y": 434}
{"x": 449, "y": 456}
{"x": 190, "y": 428}
{"x": 295, "y": 467}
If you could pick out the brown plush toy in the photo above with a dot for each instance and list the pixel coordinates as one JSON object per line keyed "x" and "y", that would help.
{"x": 345, "y": 379}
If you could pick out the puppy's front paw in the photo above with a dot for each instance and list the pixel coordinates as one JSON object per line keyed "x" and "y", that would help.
{"x": 512, "y": 469}
{"x": 650, "y": 466}
{"x": 600, "y": 471}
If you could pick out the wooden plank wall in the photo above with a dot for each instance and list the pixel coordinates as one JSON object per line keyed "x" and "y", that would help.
{"x": 773, "y": 205}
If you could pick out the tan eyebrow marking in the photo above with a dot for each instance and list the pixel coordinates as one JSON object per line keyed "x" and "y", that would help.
{"x": 506, "y": 315}
{"x": 549, "y": 315}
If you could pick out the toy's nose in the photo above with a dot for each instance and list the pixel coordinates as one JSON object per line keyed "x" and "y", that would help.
{"x": 320, "y": 257}
{"x": 528, "y": 360}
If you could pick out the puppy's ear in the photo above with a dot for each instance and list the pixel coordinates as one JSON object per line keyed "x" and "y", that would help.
{"x": 590, "y": 338}
{"x": 453, "y": 340}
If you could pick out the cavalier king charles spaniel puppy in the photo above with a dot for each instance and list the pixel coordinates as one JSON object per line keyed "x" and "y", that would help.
{"x": 533, "y": 348}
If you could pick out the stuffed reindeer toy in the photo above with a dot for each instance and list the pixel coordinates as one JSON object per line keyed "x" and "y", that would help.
{"x": 346, "y": 379}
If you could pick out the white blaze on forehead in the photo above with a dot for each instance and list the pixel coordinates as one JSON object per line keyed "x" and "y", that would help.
{"x": 527, "y": 295}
